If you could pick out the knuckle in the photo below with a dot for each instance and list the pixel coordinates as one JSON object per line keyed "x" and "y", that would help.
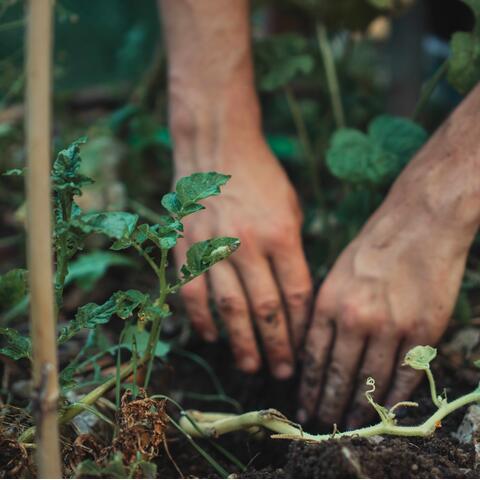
{"x": 298, "y": 299}
{"x": 267, "y": 309}
{"x": 232, "y": 305}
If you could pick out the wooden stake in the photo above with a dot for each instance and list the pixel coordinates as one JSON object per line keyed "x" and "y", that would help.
{"x": 39, "y": 247}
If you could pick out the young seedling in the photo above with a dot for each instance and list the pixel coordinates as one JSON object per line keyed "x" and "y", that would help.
{"x": 152, "y": 242}
{"x": 215, "y": 424}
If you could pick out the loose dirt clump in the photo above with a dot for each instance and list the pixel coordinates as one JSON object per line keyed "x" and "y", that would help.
{"x": 14, "y": 461}
{"x": 142, "y": 425}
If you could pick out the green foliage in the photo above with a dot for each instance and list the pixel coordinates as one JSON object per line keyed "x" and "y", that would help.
{"x": 420, "y": 357}
{"x": 464, "y": 61}
{"x": 141, "y": 337}
{"x": 280, "y": 59}
{"x": 13, "y": 288}
{"x": 16, "y": 346}
{"x": 65, "y": 171}
{"x": 190, "y": 190}
{"x": 114, "y": 225}
{"x": 377, "y": 157}
{"x": 122, "y": 304}
{"x": 203, "y": 255}
{"x": 86, "y": 270}
{"x": 115, "y": 468}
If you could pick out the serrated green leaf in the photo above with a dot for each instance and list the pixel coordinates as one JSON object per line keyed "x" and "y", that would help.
{"x": 122, "y": 304}
{"x": 199, "y": 186}
{"x": 13, "y": 288}
{"x": 116, "y": 225}
{"x": 15, "y": 345}
{"x": 65, "y": 171}
{"x": 419, "y": 357}
{"x": 190, "y": 190}
{"x": 464, "y": 62}
{"x": 203, "y": 255}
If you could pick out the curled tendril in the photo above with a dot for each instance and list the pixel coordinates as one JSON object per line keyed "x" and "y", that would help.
{"x": 383, "y": 413}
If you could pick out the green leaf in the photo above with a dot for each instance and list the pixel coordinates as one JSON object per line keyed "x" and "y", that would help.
{"x": 89, "y": 268}
{"x": 397, "y": 135}
{"x": 464, "y": 62}
{"x": 13, "y": 288}
{"x": 116, "y": 225}
{"x": 14, "y": 172}
{"x": 190, "y": 190}
{"x": 141, "y": 339}
{"x": 419, "y": 357}
{"x": 203, "y": 255}
{"x": 376, "y": 158}
{"x": 65, "y": 171}
{"x": 16, "y": 346}
{"x": 353, "y": 157}
{"x": 122, "y": 304}
{"x": 280, "y": 59}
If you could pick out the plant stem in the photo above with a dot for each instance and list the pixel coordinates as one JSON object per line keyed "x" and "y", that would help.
{"x": 157, "y": 323}
{"x": 306, "y": 144}
{"x": 39, "y": 239}
{"x": 433, "y": 388}
{"x": 428, "y": 89}
{"x": 89, "y": 399}
{"x": 212, "y": 425}
{"x": 331, "y": 74}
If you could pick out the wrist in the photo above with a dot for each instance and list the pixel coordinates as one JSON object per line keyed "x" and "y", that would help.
{"x": 206, "y": 124}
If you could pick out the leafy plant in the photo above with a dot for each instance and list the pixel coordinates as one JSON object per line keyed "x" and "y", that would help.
{"x": 206, "y": 424}
{"x": 152, "y": 241}
{"x": 374, "y": 158}
{"x": 464, "y": 62}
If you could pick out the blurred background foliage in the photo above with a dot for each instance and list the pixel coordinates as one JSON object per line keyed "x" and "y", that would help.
{"x": 109, "y": 71}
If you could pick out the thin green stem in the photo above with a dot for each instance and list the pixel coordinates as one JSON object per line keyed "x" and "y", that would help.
{"x": 147, "y": 257}
{"x": 212, "y": 425}
{"x": 428, "y": 89}
{"x": 433, "y": 389}
{"x": 157, "y": 323}
{"x": 331, "y": 75}
{"x": 308, "y": 151}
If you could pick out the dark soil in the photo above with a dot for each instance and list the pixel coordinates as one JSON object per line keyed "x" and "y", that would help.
{"x": 441, "y": 456}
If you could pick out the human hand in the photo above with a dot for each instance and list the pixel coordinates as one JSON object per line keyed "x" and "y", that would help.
{"x": 266, "y": 283}
{"x": 392, "y": 288}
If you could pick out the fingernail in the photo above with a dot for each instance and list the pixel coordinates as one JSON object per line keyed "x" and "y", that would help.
{"x": 210, "y": 336}
{"x": 248, "y": 364}
{"x": 283, "y": 371}
{"x": 302, "y": 415}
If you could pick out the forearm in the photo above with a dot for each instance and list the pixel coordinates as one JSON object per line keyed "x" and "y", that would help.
{"x": 448, "y": 168}
{"x": 211, "y": 80}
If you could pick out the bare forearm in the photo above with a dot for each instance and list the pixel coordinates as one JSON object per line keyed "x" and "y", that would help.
{"x": 211, "y": 79}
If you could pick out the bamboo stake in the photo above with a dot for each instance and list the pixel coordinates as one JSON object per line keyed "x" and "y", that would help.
{"x": 39, "y": 248}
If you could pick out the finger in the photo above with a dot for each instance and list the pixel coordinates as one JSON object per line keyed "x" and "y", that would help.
{"x": 295, "y": 283}
{"x": 406, "y": 378}
{"x": 266, "y": 305}
{"x": 341, "y": 372}
{"x": 195, "y": 296}
{"x": 319, "y": 339}
{"x": 232, "y": 306}
{"x": 378, "y": 363}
